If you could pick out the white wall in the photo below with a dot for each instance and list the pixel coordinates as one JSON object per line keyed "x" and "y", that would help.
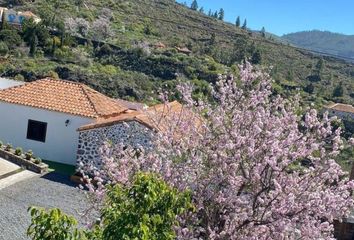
{"x": 61, "y": 141}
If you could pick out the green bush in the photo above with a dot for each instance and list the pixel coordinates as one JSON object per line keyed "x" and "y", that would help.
{"x": 8, "y": 147}
{"x": 153, "y": 207}
{"x": 18, "y": 151}
{"x": 29, "y": 155}
{"x": 38, "y": 160}
{"x": 11, "y": 38}
{"x": 19, "y": 77}
{"x": 4, "y": 49}
{"x": 147, "y": 209}
{"x": 53, "y": 225}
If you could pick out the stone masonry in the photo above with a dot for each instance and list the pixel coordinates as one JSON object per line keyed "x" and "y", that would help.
{"x": 131, "y": 133}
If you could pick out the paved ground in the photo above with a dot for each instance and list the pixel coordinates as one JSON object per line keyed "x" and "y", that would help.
{"x": 49, "y": 191}
{"x": 7, "y": 167}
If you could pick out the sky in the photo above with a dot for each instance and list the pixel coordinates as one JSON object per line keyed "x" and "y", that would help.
{"x": 287, "y": 16}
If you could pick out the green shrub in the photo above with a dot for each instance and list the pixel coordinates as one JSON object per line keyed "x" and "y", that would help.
{"x": 29, "y": 155}
{"x": 1, "y": 144}
{"x": 148, "y": 209}
{"x": 53, "y": 224}
{"x": 38, "y": 160}
{"x": 19, "y": 77}
{"x": 18, "y": 151}
{"x": 153, "y": 207}
{"x": 4, "y": 49}
{"x": 8, "y": 147}
{"x": 11, "y": 38}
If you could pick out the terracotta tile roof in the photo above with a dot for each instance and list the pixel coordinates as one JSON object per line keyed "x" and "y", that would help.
{"x": 63, "y": 96}
{"x": 131, "y": 105}
{"x": 158, "y": 117}
{"x": 183, "y": 50}
{"x": 341, "y": 107}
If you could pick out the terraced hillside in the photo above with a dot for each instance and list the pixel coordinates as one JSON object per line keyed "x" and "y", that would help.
{"x": 143, "y": 57}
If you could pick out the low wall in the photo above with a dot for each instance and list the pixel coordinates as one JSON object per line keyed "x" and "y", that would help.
{"x": 24, "y": 163}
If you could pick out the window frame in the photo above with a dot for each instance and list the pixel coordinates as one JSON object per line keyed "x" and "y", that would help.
{"x": 44, "y": 135}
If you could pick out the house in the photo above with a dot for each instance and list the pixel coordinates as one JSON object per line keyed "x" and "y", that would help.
{"x": 68, "y": 122}
{"x": 16, "y": 18}
{"x": 342, "y": 111}
{"x": 6, "y": 83}
{"x": 44, "y": 116}
{"x": 184, "y": 50}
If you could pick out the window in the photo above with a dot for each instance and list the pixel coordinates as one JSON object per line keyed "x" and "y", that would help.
{"x": 36, "y": 130}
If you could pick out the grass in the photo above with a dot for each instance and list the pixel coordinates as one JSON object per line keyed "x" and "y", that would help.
{"x": 60, "y": 167}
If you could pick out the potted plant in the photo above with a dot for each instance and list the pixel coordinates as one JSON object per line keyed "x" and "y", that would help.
{"x": 8, "y": 147}
{"x": 18, "y": 151}
{"x": 38, "y": 161}
{"x": 29, "y": 155}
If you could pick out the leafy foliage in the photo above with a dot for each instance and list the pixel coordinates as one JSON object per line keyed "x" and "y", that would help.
{"x": 147, "y": 209}
{"x": 123, "y": 25}
{"x": 52, "y": 225}
{"x": 256, "y": 168}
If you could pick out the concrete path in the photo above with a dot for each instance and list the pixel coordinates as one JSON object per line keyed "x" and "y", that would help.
{"x": 17, "y": 177}
{"x": 7, "y": 167}
{"x": 49, "y": 191}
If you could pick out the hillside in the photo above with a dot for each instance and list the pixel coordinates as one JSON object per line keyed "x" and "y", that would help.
{"x": 141, "y": 56}
{"x": 328, "y": 42}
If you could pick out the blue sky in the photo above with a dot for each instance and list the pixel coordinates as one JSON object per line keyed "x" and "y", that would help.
{"x": 286, "y": 16}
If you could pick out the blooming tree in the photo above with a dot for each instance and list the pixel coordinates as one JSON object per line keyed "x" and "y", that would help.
{"x": 77, "y": 26}
{"x": 101, "y": 29}
{"x": 256, "y": 169}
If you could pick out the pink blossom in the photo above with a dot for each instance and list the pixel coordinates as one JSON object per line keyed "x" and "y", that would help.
{"x": 256, "y": 169}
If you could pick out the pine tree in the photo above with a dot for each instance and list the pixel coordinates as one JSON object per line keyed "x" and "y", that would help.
{"x": 216, "y": 14}
{"x": 244, "y": 26}
{"x": 238, "y": 22}
{"x": 221, "y": 14}
{"x": 263, "y": 32}
{"x": 194, "y": 5}
{"x": 210, "y": 13}
{"x": 338, "y": 91}
{"x": 201, "y": 10}
{"x": 256, "y": 57}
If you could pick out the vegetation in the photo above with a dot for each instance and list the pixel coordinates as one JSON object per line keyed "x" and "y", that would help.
{"x": 258, "y": 166}
{"x": 324, "y": 41}
{"x": 147, "y": 209}
{"x": 18, "y": 151}
{"x": 130, "y": 66}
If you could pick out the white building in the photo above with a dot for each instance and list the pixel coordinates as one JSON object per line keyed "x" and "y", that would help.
{"x": 16, "y": 18}
{"x": 342, "y": 111}
{"x": 44, "y": 116}
{"x": 66, "y": 122}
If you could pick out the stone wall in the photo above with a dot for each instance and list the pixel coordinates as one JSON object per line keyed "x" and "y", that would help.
{"x": 129, "y": 133}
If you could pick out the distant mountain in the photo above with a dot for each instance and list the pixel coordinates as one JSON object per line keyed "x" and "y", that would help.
{"x": 323, "y": 41}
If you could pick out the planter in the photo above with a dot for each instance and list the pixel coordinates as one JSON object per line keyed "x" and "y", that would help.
{"x": 26, "y": 164}
{"x": 77, "y": 179}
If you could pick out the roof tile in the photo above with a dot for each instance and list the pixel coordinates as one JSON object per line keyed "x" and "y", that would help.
{"x": 63, "y": 96}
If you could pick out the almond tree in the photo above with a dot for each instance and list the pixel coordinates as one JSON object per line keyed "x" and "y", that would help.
{"x": 256, "y": 169}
